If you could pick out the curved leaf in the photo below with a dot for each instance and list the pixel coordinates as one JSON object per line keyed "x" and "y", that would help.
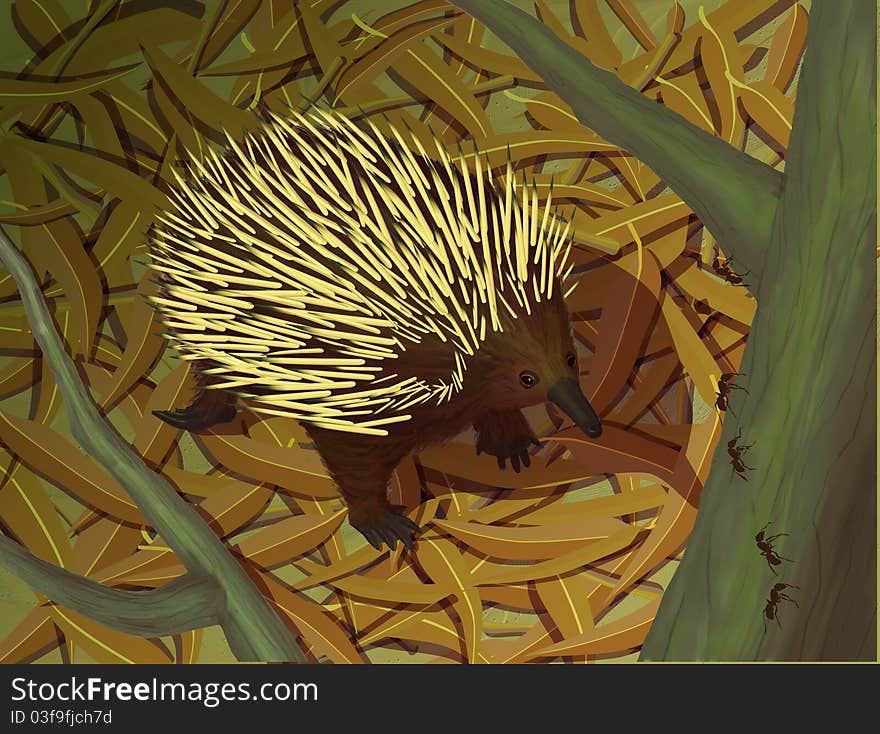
{"x": 66, "y": 466}
{"x": 285, "y": 540}
{"x": 369, "y": 66}
{"x": 29, "y": 90}
{"x": 622, "y": 634}
{"x": 442, "y": 561}
{"x": 786, "y": 48}
{"x": 531, "y": 543}
{"x": 209, "y": 109}
{"x": 298, "y": 471}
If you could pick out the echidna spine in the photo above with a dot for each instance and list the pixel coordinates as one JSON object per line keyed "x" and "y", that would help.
{"x": 319, "y": 250}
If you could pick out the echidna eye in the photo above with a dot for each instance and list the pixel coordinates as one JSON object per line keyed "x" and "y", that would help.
{"x": 571, "y": 360}
{"x": 528, "y": 379}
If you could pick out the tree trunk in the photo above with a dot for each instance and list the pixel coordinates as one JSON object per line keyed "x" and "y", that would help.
{"x": 811, "y": 409}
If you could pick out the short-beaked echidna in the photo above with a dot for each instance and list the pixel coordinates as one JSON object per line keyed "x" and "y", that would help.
{"x": 385, "y": 297}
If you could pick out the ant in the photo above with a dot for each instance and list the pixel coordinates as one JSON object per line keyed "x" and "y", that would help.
{"x": 736, "y": 452}
{"x": 765, "y": 545}
{"x": 777, "y": 595}
{"x": 725, "y": 385}
{"x": 726, "y": 271}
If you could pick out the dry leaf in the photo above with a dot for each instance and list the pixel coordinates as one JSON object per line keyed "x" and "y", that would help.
{"x": 786, "y": 48}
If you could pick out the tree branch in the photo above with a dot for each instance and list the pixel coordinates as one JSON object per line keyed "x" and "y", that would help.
{"x": 252, "y": 627}
{"x": 182, "y": 604}
{"x": 733, "y": 194}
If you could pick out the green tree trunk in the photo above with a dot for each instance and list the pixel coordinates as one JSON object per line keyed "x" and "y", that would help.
{"x": 811, "y": 410}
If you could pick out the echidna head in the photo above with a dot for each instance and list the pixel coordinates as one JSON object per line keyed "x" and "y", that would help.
{"x": 533, "y": 360}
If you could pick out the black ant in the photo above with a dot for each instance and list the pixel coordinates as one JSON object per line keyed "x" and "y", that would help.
{"x": 777, "y": 596}
{"x": 725, "y": 385}
{"x": 765, "y": 545}
{"x": 736, "y": 452}
{"x": 726, "y": 271}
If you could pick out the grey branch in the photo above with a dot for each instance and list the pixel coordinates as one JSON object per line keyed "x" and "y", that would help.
{"x": 182, "y": 604}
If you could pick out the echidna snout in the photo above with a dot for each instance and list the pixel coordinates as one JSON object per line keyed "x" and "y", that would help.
{"x": 567, "y": 395}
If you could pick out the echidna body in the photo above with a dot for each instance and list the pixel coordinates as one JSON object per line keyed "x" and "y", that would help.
{"x": 385, "y": 297}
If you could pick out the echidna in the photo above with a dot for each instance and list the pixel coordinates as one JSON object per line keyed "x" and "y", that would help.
{"x": 384, "y": 297}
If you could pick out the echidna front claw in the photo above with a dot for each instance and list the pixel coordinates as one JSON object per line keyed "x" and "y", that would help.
{"x": 506, "y": 435}
{"x": 372, "y": 537}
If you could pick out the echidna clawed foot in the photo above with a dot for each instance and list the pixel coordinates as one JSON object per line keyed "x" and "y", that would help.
{"x": 507, "y": 436}
{"x": 389, "y": 529}
{"x": 208, "y": 409}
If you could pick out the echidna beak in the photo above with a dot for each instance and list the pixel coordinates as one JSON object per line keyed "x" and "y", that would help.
{"x": 566, "y": 393}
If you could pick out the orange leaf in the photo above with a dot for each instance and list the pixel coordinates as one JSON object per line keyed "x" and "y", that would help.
{"x": 143, "y": 346}
{"x": 786, "y": 48}
{"x": 66, "y": 466}
{"x": 28, "y": 515}
{"x": 32, "y": 638}
{"x": 691, "y": 350}
{"x": 731, "y": 300}
{"x": 567, "y": 607}
{"x": 770, "y": 109}
{"x": 378, "y": 59}
{"x": 235, "y": 505}
{"x": 620, "y": 635}
{"x": 308, "y": 620}
{"x": 296, "y": 470}
{"x": 635, "y": 24}
{"x": 103, "y": 543}
{"x": 291, "y": 537}
{"x": 187, "y": 647}
{"x": 442, "y": 561}
{"x": 723, "y": 66}
{"x": 392, "y": 593}
{"x": 150, "y": 567}
{"x": 531, "y": 543}
{"x": 105, "y": 645}
{"x": 190, "y": 94}
{"x": 486, "y": 60}
{"x": 495, "y": 574}
{"x": 587, "y": 22}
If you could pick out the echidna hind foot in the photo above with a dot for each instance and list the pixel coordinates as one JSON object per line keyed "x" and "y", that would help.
{"x": 389, "y": 528}
{"x": 210, "y": 408}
